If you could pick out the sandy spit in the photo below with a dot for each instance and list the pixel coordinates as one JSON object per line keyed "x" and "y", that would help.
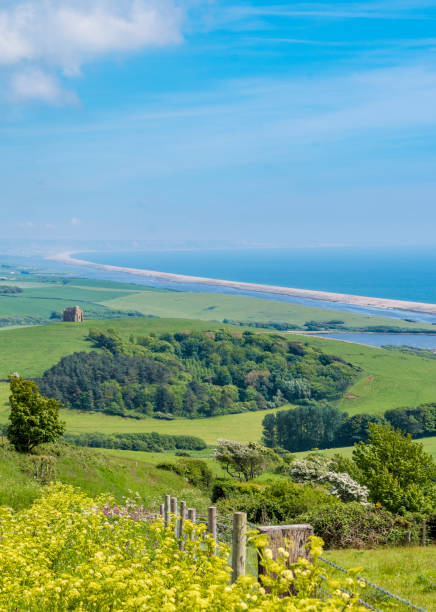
{"x": 341, "y": 298}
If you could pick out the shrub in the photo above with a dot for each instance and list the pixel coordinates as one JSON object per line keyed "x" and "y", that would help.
{"x": 195, "y": 471}
{"x": 272, "y": 504}
{"x": 398, "y": 472}
{"x": 322, "y": 470}
{"x": 354, "y": 525}
{"x": 66, "y": 553}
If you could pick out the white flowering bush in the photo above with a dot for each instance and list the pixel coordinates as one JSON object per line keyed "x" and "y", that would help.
{"x": 345, "y": 487}
{"x": 342, "y": 485}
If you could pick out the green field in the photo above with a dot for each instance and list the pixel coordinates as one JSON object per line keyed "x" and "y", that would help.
{"x": 40, "y": 299}
{"x": 389, "y": 379}
{"x": 407, "y": 572}
{"x": 216, "y": 307}
{"x": 32, "y": 350}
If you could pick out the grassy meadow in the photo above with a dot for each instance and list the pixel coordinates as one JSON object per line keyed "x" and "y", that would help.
{"x": 32, "y": 350}
{"x": 216, "y": 307}
{"x": 408, "y": 572}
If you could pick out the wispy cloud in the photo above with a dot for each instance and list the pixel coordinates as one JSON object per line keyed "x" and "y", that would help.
{"x": 51, "y": 35}
{"x": 34, "y": 84}
{"x": 335, "y": 10}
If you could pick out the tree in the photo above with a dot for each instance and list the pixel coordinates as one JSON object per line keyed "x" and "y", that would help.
{"x": 34, "y": 419}
{"x": 396, "y": 469}
{"x": 355, "y": 429}
{"x": 305, "y": 427}
{"x": 244, "y": 461}
{"x": 269, "y": 430}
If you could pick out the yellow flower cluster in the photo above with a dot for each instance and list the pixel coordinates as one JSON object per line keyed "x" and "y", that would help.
{"x": 64, "y": 554}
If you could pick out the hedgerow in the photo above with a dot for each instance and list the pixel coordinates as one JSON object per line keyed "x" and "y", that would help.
{"x": 68, "y": 552}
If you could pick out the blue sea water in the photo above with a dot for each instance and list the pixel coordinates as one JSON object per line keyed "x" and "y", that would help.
{"x": 395, "y": 273}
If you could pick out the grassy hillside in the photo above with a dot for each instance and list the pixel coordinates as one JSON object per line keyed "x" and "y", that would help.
{"x": 390, "y": 379}
{"x": 32, "y": 350}
{"x": 216, "y": 307}
{"x": 95, "y": 473}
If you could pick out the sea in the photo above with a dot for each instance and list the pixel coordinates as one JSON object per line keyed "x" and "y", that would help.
{"x": 403, "y": 274}
{"x": 407, "y": 273}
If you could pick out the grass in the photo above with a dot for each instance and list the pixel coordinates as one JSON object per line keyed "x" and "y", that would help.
{"x": 32, "y": 350}
{"x": 408, "y": 572}
{"x": 39, "y": 299}
{"x": 95, "y": 473}
{"x": 216, "y": 307}
{"x": 390, "y": 379}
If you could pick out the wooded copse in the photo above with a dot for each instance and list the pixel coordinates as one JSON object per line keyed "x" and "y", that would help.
{"x": 195, "y": 374}
{"x": 308, "y": 427}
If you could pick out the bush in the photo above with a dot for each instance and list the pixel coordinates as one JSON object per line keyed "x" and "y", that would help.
{"x": 397, "y": 471}
{"x": 322, "y": 470}
{"x": 272, "y": 504}
{"x": 195, "y": 471}
{"x": 149, "y": 441}
{"x": 354, "y": 525}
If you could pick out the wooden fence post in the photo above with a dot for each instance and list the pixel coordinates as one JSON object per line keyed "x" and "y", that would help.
{"x": 192, "y": 515}
{"x": 182, "y": 523}
{"x": 175, "y": 512}
{"x": 167, "y": 510}
{"x": 239, "y": 545}
{"x": 162, "y": 511}
{"x": 211, "y": 521}
{"x": 293, "y": 538}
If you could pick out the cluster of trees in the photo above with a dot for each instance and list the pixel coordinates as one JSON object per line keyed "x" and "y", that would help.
{"x": 195, "y": 374}
{"x": 308, "y": 427}
{"x": 418, "y": 422}
{"x": 149, "y": 442}
{"x": 9, "y": 289}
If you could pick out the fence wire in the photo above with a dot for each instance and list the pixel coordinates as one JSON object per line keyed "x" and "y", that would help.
{"x": 375, "y": 595}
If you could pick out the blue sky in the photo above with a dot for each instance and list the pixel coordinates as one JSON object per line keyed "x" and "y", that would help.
{"x": 254, "y": 122}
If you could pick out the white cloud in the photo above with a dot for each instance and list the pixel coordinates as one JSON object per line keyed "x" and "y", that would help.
{"x": 34, "y": 84}
{"x": 75, "y": 221}
{"x": 64, "y": 34}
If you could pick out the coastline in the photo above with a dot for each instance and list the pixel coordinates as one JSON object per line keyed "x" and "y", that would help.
{"x": 339, "y": 298}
